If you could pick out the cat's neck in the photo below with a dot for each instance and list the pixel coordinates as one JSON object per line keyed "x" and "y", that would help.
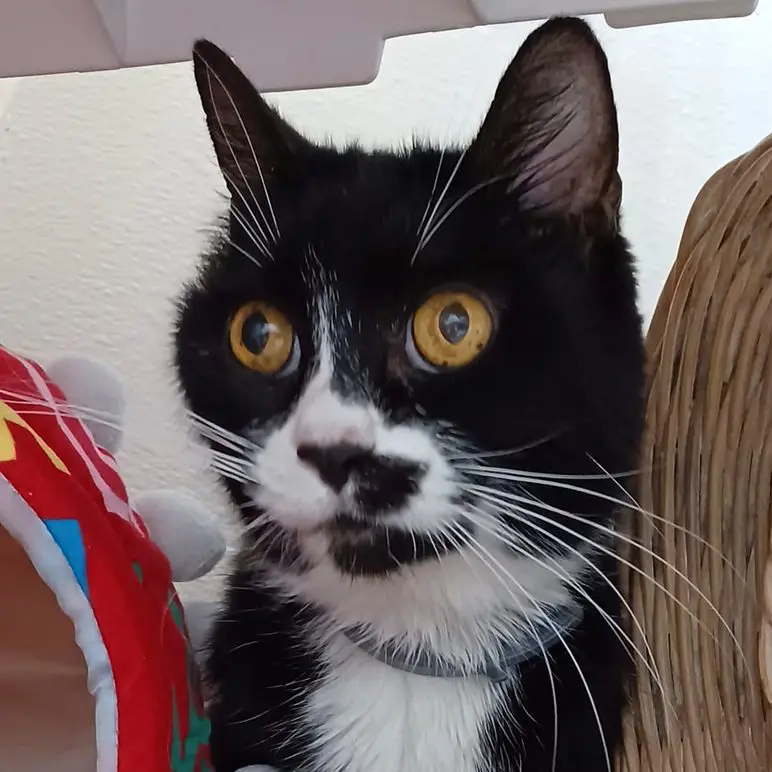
{"x": 459, "y": 607}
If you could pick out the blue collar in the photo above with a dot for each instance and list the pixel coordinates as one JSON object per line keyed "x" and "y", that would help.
{"x": 498, "y": 667}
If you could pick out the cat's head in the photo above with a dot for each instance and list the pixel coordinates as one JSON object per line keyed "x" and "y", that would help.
{"x": 400, "y": 357}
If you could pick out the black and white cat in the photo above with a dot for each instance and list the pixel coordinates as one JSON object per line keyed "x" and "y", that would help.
{"x": 421, "y": 374}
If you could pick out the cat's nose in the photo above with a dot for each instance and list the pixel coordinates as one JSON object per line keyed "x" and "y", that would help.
{"x": 334, "y": 463}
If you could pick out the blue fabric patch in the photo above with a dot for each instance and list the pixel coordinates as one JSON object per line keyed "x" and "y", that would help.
{"x": 68, "y": 536}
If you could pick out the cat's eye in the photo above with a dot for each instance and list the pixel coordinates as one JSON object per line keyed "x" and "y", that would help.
{"x": 262, "y": 339}
{"x": 450, "y": 329}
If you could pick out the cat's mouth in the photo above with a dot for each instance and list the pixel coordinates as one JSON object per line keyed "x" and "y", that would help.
{"x": 354, "y": 524}
{"x": 367, "y": 547}
{"x": 371, "y": 544}
{"x": 347, "y": 523}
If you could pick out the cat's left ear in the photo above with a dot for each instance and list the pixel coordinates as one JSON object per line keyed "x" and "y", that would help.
{"x": 254, "y": 145}
{"x": 551, "y": 132}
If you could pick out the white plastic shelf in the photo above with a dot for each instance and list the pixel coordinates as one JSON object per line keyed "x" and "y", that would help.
{"x": 281, "y": 44}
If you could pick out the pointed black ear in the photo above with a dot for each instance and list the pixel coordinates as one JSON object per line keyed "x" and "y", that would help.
{"x": 253, "y": 144}
{"x": 551, "y": 131}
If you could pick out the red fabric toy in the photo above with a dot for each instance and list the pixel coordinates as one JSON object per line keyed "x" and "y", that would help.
{"x": 96, "y": 667}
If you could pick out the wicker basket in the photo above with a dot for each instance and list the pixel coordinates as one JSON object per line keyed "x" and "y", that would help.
{"x": 703, "y": 703}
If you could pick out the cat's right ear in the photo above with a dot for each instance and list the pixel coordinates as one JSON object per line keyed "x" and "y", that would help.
{"x": 551, "y": 131}
{"x": 254, "y": 145}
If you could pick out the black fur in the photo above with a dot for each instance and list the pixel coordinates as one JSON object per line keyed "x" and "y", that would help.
{"x": 562, "y": 381}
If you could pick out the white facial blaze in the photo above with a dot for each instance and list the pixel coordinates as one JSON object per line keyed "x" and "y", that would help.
{"x": 322, "y": 418}
{"x": 292, "y": 493}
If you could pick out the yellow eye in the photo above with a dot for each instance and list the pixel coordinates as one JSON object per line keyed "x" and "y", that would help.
{"x": 451, "y": 329}
{"x": 261, "y": 338}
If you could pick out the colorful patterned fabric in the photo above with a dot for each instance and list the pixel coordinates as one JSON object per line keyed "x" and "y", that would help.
{"x": 114, "y": 582}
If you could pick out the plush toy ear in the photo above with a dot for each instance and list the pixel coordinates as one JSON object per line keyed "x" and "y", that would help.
{"x": 199, "y": 618}
{"x": 95, "y": 395}
{"x": 551, "y": 131}
{"x": 183, "y": 530}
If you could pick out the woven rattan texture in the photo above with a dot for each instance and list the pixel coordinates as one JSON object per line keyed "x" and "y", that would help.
{"x": 706, "y": 486}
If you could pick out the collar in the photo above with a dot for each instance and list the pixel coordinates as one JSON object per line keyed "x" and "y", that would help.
{"x": 498, "y": 666}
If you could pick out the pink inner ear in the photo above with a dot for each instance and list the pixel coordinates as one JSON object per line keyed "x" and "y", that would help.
{"x": 568, "y": 174}
{"x": 552, "y": 127}
{"x": 46, "y": 711}
{"x": 552, "y": 174}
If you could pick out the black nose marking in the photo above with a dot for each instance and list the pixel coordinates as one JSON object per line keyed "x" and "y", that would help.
{"x": 334, "y": 463}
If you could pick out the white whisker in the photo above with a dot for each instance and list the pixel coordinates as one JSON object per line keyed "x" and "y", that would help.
{"x": 222, "y": 441}
{"x": 579, "y": 671}
{"x": 510, "y": 452}
{"x": 76, "y": 414}
{"x": 253, "y": 236}
{"x": 508, "y": 502}
{"x": 554, "y": 567}
{"x": 243, "y": 252}
{"x": 226, "y": 458}
{"x": 422, "y": 236}
{"x": 259, "y": 234}
{"x": 431, "y": 194}
{"x": 233, "y": 467}
{"x": 209, "y": 73}
{"x": 452, "y": 208}
{"x": 212, "y": 431}
{"x": 545, "y": 476}
{"x": 37, "y": 406}
{"x": 557, "y": 481}
{"x": 261, "y": 223}
{"x": 497, "y": 569}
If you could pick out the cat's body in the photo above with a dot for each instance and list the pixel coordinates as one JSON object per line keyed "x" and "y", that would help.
{"x": 419, "y": 372}
{"x": 286, "y": 669}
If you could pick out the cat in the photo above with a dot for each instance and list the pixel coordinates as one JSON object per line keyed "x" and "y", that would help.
{"x": 421, "y": 374}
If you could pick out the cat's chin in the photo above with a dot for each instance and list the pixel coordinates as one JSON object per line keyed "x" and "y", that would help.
{"x": 355, "y": 546}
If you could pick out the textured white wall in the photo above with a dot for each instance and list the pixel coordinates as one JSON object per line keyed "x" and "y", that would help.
{"x": 106, "y": 181}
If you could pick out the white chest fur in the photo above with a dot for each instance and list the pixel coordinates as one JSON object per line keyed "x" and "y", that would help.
{"x": 370, "y": 717}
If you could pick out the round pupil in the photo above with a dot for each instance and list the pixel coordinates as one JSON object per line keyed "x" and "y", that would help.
{"x": 255, "y": 333}
{"x": 454, "y": 323}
